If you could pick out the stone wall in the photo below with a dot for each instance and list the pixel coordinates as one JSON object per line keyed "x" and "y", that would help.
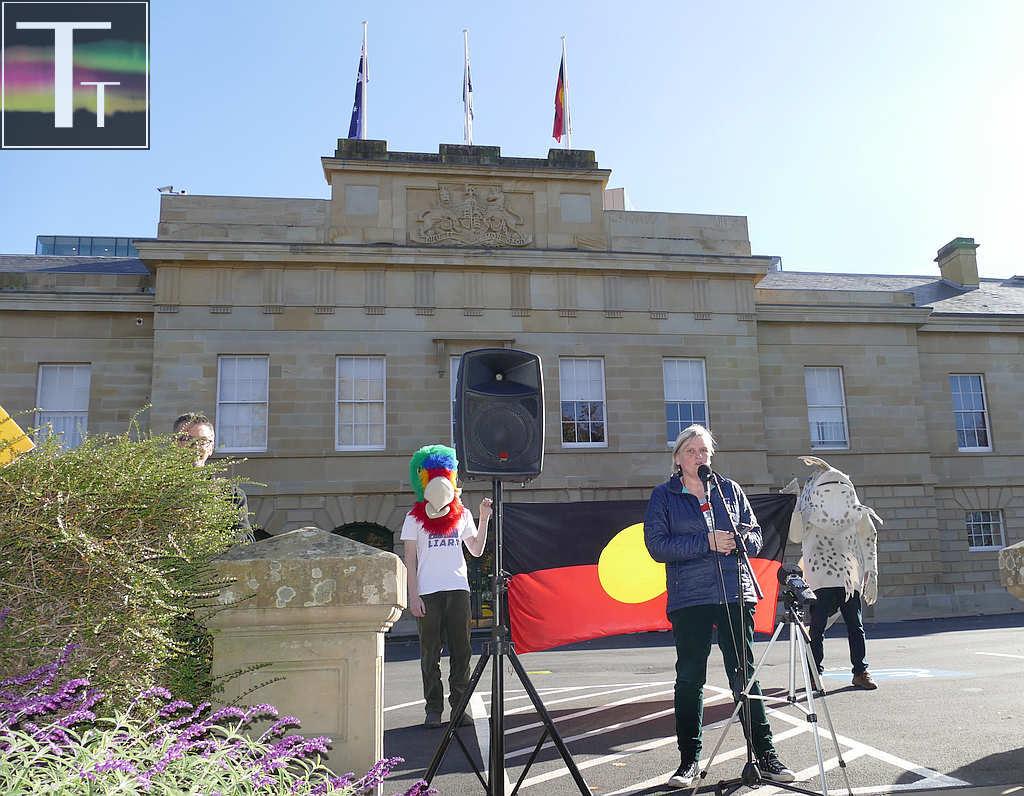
{"x": 119, "y": 349}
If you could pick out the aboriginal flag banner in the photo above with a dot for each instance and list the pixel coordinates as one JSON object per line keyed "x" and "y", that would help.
{"x": 582, "y": 570}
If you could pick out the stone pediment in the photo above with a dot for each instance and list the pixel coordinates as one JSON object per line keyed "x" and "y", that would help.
{"x": 470, "y": 215}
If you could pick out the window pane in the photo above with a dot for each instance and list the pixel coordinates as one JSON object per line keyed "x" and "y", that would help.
{"x": 68, "y": 426}
{"x": 361, "y": 402}
{"x": 566, "y": 388}
{"x": 684, "y": 380}
{"x": 827, "y": 426}
{"x": 969, "y": 415}
{"x": 985, "y": 529}
{"x": 346, "y": 388}
{"x": 242, "y": 383}
{"x": 582, "y": 399}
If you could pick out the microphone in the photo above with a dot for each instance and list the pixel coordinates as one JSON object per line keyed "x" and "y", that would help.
{"x": 704, "y": 473}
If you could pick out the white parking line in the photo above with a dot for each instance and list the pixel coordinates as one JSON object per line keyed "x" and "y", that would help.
{"x": 1001, "y": 655}
{"x": 722, "y": 756}
{"x": 590, "y": 711}
{"x": 854, "y": 749}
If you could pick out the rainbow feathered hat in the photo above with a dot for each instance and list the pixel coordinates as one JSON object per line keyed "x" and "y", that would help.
{"x": 428, "y": 463}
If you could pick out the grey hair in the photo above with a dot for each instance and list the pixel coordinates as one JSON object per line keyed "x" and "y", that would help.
{"x": 688, "y": 433}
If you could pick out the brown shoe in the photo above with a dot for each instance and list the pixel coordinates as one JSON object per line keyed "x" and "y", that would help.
{"x": 863, "y": 680}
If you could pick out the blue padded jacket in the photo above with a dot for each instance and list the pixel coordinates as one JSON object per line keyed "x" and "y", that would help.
{"x": 677, "y": 535}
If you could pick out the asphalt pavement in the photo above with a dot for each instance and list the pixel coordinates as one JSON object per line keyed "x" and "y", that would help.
{"x": 948, "y": 714}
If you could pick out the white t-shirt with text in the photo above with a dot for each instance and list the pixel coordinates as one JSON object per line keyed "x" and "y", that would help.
{"x": 440, "y": 563}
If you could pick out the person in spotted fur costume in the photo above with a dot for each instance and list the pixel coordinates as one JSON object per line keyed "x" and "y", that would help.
{"x": 840, "y": 560}
{"x": 434, "y": 532}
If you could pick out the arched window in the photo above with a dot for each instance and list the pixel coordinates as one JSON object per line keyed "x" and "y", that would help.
{"x": 368, "y": 533}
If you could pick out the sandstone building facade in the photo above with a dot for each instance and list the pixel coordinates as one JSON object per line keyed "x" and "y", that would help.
{"x": 321, "y": 335}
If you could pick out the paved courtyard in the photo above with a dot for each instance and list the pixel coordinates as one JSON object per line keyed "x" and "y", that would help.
{"x": 949, "y": 712}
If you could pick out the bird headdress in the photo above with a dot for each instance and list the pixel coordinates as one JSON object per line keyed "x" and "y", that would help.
{"x": 433, "y": 474}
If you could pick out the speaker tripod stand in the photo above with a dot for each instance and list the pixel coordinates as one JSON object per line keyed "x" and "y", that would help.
{"x": 799, "y": 657}
{"x": 496, "y": 652}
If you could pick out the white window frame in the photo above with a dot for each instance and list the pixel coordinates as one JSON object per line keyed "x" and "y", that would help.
{"x": 48, "y": 414}
{"x": 453, "y": 380}
{"x": 818, "y": 446}
{"x": 338, "y": 400}
{"x": 563, "y": 362}
{"x": 984, "y": 412}
{"x": 704, "y": 391}
{"x": 265, "y": 402}
{"x": 992, "y": 518}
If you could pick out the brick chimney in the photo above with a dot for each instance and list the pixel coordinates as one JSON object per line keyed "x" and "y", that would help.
{"x": 958, "y": 262}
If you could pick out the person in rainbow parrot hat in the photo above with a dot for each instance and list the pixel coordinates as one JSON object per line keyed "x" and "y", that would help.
{"x": 433, "y": 532}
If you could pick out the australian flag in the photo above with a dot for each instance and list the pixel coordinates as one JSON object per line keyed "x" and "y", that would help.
{"x": 355, "y": 125}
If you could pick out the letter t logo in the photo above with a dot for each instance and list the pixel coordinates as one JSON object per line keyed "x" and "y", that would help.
{"x": 63, "y": 51}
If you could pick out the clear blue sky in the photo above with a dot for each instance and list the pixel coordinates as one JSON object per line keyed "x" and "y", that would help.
{"x": 856, "y": 137}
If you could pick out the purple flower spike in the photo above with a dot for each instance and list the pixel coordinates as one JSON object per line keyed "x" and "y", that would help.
{"x": 174, "y": 707}
{"x": 152, "y": 691}
{"x": 227, "y": 712}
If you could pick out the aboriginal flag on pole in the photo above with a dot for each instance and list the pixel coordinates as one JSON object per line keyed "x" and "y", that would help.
{"x": 581, "y": 570}
{"x": 560, "y": 127}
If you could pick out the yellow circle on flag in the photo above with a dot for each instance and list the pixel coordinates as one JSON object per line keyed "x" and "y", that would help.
{"x": 627, "y": 571}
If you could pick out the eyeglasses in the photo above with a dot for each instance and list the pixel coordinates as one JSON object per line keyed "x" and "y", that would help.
{"x": 185, "y": 439}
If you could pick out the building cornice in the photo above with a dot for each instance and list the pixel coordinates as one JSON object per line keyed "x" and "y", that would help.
{"x": 840, "y": 313}
{"x": 335, "y": 166}
{"x": 980, "y": 324}
{"x": 77, "y": 302}
{"x": 373, "y": 156}
{"x": 242, "y": 254}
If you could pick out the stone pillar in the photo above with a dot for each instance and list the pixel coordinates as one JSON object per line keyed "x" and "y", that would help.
{"x": 1011, "y": 569}
{"x": 314, "y": 607}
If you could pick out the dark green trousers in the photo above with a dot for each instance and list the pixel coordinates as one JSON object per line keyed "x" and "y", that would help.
{"x": 693, "y": 628}
{"x": 446, "y": 622}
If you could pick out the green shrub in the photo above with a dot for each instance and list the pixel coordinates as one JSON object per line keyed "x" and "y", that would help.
{"x": 109, "y": 544}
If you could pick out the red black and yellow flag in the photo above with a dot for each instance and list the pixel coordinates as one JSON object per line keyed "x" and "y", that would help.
{"x": 581, "y": 570}
{"x": 560, "y": 128}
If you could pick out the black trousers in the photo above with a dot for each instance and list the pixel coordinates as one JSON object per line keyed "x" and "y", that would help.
{"x": 446, "y": 618}
{"x": 692, "y": 628}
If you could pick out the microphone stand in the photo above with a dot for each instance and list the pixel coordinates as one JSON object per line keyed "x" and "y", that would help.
{"x": 751, "y": 775}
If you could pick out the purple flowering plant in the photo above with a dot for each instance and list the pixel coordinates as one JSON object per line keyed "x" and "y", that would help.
{"x": 53, "y": 739}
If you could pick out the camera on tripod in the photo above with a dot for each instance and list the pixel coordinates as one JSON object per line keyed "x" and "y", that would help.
{"x": 795, "y": 590}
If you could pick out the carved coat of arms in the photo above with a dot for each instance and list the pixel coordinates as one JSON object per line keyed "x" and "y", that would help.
{"x": 472, "y": 219}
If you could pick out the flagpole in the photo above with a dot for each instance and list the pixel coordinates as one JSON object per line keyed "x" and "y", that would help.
{"x": 565, "y": 92}
{"x": 362, "y": 77}
{"x": 468, "y": 126}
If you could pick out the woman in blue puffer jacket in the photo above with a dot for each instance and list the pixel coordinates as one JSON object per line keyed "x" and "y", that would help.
{"x": 687, "y": 529}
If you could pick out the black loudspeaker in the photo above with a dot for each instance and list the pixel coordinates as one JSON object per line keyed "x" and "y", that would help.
{"x": 499, "y": 414}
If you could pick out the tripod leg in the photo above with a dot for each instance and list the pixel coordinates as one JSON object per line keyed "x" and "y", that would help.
{"x": 744, "y": 695}
{"x": 548, "y": 723}
{"x": 460, "y": 710}
{"x": 805, "y": 654}
{"x": 496, "y": 768}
